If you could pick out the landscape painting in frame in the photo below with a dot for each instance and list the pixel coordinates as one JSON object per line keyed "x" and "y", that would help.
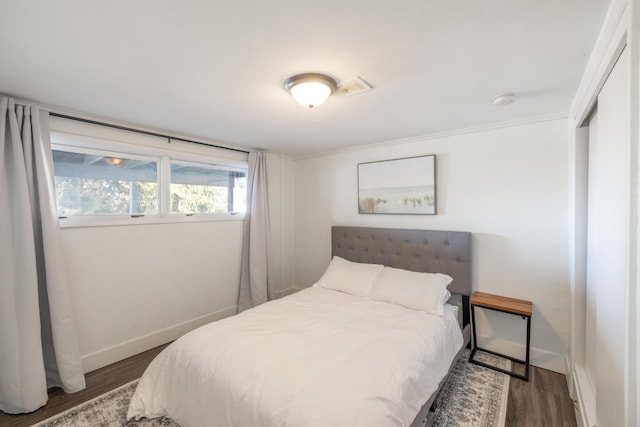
{"x": 398, "y": 186}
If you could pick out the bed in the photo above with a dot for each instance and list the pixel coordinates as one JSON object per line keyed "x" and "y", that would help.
{"x": 324, "y": 356}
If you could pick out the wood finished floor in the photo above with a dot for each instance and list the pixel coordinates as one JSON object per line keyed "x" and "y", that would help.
{"x": 542, "y": 402}
{"x": 98, "y": 382}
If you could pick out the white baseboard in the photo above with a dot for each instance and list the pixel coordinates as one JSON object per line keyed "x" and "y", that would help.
{"x": 540, "y": 358}
{"x": 109, "y": 355}
{"x": 586, "y": 411}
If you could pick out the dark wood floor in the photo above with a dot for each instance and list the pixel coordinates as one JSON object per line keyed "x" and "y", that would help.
{"x": 98, "y": 382}
{"x": 543, "y": 401}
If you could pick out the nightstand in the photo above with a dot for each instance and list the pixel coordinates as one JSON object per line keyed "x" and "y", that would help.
{"x": 506, "y": 305}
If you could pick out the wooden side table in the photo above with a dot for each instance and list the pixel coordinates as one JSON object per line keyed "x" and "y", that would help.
{"x": 505, "y": 305}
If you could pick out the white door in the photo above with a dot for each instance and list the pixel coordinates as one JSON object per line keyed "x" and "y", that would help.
{"x": 608, "y": 249}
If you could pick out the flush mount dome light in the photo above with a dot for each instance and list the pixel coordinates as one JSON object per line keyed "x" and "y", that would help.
{"x": 113, "y": 161}
{"x": 310, "y": 89}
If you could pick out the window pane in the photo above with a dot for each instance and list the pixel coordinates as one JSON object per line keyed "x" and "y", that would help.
{"x": 206, "y": 189}
{"x": 96, "y": 184}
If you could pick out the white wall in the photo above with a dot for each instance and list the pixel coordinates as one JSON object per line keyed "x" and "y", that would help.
{"x": 139, "y": 286}
{"x": 508, "y": 186}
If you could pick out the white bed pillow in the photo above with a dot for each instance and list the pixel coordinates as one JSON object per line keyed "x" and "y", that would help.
{"x": 350, "y": 277}
{"x": 419, "y": 291}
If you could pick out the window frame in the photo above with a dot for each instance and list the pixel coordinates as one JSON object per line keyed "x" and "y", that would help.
{"x": 118, "y": 154}
{"x": 83, "y": 144}
{"x": 199, "y": 165}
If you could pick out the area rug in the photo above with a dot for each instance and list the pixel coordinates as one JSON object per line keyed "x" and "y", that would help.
{"x": 472, "y": 396}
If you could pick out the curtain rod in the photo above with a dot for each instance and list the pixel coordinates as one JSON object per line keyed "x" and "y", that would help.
{"x": 170, "y": 138}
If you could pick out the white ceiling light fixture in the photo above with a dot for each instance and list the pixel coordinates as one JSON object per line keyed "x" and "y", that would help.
{"x": 113, "y": 161}
{"x": 310, "y": 89}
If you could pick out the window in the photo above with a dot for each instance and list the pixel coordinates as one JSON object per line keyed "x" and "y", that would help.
{"x": 98, "y": 181}
{"x": 206, "y": 189}
{"x": 94, "y": 183}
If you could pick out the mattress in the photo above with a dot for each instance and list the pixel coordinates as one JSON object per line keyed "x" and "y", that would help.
{"x": 316, "y": 358}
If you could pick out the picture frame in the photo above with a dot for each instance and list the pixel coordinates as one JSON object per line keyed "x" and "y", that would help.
{"x": 405, "y": 186}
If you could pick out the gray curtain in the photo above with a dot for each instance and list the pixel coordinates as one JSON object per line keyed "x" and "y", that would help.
{"x": 254, "y": 286}
{"x": 38, "y": 343}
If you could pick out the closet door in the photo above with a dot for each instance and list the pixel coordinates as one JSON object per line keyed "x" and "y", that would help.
{"x": 596, "y": 186}
{"x": 608, "y": 256}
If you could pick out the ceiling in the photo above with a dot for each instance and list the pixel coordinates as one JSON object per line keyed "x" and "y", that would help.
{"x": 215, "y": 69}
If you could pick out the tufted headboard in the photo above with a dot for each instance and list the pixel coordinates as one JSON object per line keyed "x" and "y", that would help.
{"x": 425, "y": 251}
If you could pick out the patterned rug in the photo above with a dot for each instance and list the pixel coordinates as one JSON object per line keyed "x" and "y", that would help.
{"x": 472, "y": 396}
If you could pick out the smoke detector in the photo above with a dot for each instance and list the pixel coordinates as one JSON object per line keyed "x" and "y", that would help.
{"x": 503, "y": 99}
{"x": 352, "y": 87}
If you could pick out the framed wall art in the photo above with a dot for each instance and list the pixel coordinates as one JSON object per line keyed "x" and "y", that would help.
{"x": 399, "y": 186}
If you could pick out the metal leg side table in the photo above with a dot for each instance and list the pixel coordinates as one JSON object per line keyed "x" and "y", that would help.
{"x": 505, "y": 305}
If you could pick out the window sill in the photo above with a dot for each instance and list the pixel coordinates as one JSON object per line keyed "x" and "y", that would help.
{"x": 119, "y": 221}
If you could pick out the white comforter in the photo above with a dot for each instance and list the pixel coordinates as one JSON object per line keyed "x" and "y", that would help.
{"x": 315, "y": 358}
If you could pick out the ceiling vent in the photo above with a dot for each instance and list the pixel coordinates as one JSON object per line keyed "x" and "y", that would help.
{"x": 353, "y": 86}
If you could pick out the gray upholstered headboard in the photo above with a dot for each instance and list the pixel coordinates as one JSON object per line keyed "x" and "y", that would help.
{"x": 426, "y": 251}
